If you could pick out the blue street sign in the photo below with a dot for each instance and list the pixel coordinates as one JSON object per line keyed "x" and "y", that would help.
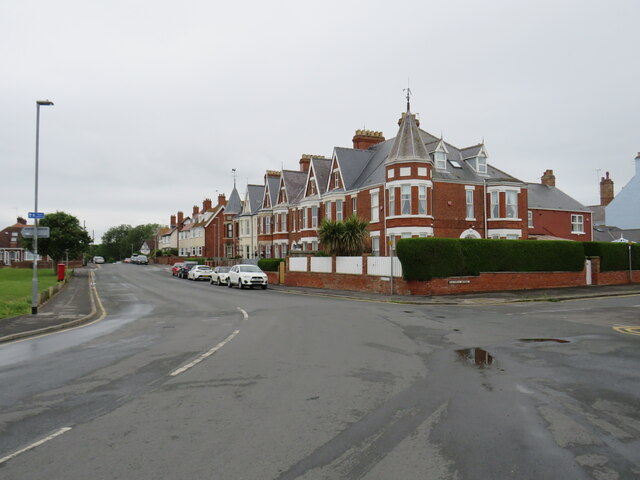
{"x": 36, "y": 214}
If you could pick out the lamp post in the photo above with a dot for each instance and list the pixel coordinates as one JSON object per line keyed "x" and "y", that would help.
{"x": 34, "y": 282}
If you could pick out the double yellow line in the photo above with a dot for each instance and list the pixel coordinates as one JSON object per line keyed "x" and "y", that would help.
{"x": 630, "y": 330}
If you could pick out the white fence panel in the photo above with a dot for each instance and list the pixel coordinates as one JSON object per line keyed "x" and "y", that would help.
{"x": 321, "y": 264}
{"x": 352, "y": 265}
{"x": 298, "y": 264}
{"x": 381, "y": 266}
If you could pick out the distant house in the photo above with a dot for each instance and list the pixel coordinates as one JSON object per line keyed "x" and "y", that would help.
{"x": 246, "y": 223}
{"x": 622, "y": 211}
{"x": 552, "y": 214}
{"x": 604, "y": 233}
{"x": 10, "y": 249}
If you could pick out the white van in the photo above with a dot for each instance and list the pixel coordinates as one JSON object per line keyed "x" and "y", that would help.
{"x": 98, "y": 259}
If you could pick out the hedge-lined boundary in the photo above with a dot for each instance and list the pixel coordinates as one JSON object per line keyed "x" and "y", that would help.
{"x": 270, "y": 264}
{"x": 426, "y": 258}
{"x": 613, "y": 256}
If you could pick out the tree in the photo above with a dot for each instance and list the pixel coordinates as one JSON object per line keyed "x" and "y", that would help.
{"x": 121, "y": 241}
{"x": 344, "y": 237}
{"x": 66, "y": 237}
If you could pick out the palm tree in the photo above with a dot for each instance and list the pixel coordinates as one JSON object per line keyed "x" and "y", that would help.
{"x": 355, "y": 234}
{"x": 344, "y": 237}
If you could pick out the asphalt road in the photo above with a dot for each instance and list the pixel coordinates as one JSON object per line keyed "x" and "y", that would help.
{"x": 187, "y": 380}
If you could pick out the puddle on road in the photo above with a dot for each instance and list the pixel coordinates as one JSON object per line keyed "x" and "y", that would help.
{"x": 475, "y": 356}
{"x": 557, "y": 340}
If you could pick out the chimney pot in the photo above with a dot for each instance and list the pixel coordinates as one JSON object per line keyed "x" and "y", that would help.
{"x": 364, "y": 139}
{"x": 606, "y": 190}
{"x": 548, "y": 178}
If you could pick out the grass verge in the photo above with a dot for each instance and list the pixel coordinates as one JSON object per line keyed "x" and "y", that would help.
{"x": 15, "y": 289}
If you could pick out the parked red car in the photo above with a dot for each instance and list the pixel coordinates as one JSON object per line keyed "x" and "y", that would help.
{"x": 176, "y": 267}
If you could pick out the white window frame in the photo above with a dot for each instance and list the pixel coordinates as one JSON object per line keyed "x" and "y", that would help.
{"x": 327, "y": 210}
{"x": 440, "y": 159}
{"x": 314, "y": 217}
{"x": 577, "y": 224}
{"x": 530, "y": 219}
{"x": 470, "y": 212}
{"x": 494, "y": 198}
{"x": 511, "y": 202}
{"x": 405, "y": 171}
{"x": 481, "y": 164}
{"x": 422, "y": 199}
{"x": 392, "y": 201}
{"x": 338, "y": 210}
{"x": 354, "y": 205}
{"x": 267, "y": 228}
{"x": 336, "y": 179}
{"x": 375, "y": 206}
{"x": 405, "y": 199}
{"x": 375, "y": 246}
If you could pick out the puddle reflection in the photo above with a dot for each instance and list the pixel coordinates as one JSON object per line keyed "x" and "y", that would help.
{"x": 475, "y": 356}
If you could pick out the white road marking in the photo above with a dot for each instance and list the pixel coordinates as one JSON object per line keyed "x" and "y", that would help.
{"x": 34, "y": 445}
{"x": 244, "y": 313}
{"x": 204, "y": 355}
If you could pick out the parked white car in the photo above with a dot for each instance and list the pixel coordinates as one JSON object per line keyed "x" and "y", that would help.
{"x": 200, "y": 272}
{"x": 247, "y": 276}
{"x": 220, "y": 275}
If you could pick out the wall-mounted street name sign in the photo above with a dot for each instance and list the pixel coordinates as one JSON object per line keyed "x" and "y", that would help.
{"x": 458, "y": 281}
{"x": 30, "y": 232}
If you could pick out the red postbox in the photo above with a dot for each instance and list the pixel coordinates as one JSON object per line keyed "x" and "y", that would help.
{"x": 61, "y": 269}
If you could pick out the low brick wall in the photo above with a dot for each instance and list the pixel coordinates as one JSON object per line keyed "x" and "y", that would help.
{"x": 274, "y": 278}
{"x": 485, "y": 282}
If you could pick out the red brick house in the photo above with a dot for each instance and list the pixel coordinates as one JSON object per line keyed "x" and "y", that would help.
{"x": 10, "y": 249}
{"x": 413, "y": 185}
{"x": 553, "y": 214}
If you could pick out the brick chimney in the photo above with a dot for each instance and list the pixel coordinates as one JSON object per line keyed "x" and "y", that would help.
{"x": 363, "y": 139}
{"x": 222, "y": 199}
{"x": 180, "y": 218}
{"x": 196, "y": 211}
{"x": 606, "y": 190}
{"x": 172, "y": 221}
{"x": 206, "y": 204}
{"x": 548, "y": 178}
{"x": 305, "y": 161}
{"x": 22, "y": 221}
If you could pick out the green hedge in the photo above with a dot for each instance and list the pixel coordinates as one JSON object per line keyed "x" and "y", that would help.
{"x": 613, "y": 256}
{"x": 270, "y": 264}
{"x": 426, "y": 258}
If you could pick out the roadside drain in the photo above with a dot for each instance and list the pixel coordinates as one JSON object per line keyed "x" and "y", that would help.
{"x": 475, "y": 356}
{"x": 557, "y": 340}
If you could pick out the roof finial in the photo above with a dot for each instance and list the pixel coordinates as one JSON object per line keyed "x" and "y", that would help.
{"x": 408, "y": 90}
{"x": 233, "y": 170}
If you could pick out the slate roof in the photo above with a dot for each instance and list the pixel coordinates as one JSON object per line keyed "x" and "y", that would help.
{"x": 255, "y": 194}
{"x": 598, "y": 216}
{"x": 294, "y": 183}
{"x": 552, "y": 198}
{"x": 408, "y": 144}
{"x": 321, "y": 167}
{"x": 351, "y": 162}
{"x": 274, "y": 182}
{"x": 234, "y": 204}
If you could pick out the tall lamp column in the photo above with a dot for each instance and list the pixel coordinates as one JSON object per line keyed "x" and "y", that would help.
{"x": 34, "y": 283}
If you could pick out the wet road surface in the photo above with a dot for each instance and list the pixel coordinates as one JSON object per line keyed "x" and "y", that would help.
{"x": 283, "y": 386}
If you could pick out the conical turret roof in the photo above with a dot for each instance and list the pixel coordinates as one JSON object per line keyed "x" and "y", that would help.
{"x": 408, "y": 145}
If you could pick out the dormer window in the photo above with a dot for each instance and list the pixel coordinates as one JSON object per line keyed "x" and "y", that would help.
{"x": 481, "y": 164}
{"x": 441, "y": 159}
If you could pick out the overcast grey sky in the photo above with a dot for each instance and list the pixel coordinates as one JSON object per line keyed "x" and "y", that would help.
{"x": 156, "y": 101}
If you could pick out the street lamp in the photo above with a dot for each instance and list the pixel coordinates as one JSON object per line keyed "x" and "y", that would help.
{"x": 34, "y": 283}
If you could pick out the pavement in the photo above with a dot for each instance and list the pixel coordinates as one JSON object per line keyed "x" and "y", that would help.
{"x": 78, "y": 302}
{"x": 74, "y": 305}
